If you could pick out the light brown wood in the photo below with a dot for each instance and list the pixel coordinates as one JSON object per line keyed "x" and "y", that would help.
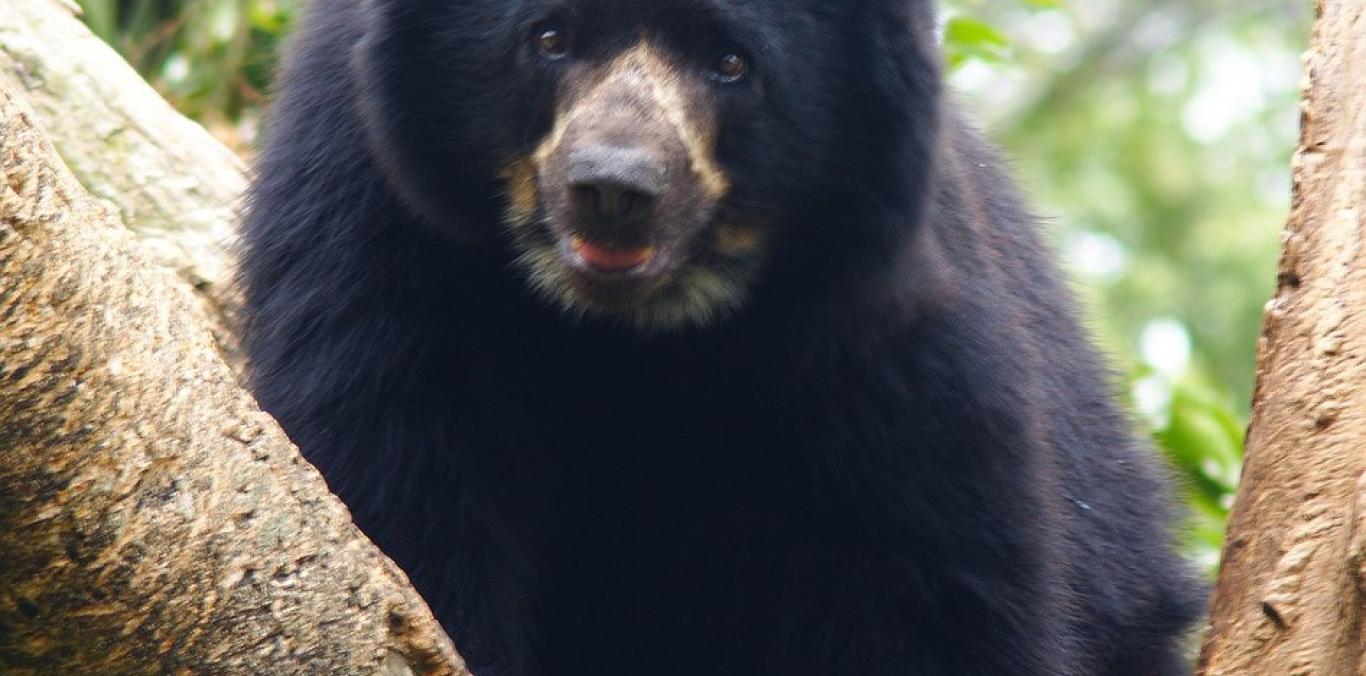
{"x": 1290, "y": 595}
{"x": 167, "y": 178}
{"x": 152, "y": 519}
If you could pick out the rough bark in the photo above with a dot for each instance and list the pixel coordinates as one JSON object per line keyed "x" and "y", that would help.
{"x": 168, "y": 180}
{"x": 1290, "y": 595}
{"x": 152, "y": 519}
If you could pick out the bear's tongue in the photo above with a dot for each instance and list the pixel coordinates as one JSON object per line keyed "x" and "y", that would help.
{"x": 611, "y": 259}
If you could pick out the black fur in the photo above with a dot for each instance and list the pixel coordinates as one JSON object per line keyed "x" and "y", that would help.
{"x": 901, "y": 457}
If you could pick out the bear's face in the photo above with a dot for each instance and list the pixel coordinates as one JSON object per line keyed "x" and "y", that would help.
{"x": 622, "y": 207}
{"x": 643, "y": 156}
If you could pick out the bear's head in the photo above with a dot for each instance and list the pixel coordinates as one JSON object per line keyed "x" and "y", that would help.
{"x": 648, "y": 160}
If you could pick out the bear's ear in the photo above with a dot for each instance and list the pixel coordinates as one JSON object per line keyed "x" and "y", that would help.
{"x": 418, "y": 135}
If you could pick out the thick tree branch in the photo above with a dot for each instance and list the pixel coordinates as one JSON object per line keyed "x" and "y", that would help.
{"x": 152, "y": 519}
{"x": 1290, "y": 596}
{"x": 167, "y": 178}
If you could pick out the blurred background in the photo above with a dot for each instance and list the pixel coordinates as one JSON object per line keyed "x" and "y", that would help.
{"x": 1153, "y": 136}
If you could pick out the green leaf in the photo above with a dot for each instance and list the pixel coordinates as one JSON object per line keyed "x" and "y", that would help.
{"x": 966, "y": 31}
{"x": 966, "y": 39}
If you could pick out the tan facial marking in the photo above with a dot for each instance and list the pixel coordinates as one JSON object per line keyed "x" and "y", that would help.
{"x": 520, "y": 177}
{"x": 738, "y": 240}
{"x": 643, "y": 70}
{"x": 641, "y": 101}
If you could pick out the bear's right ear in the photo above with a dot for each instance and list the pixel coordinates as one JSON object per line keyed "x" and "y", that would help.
{"x": 430, "y": 140}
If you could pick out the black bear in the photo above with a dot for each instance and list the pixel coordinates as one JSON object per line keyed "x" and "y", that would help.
{"x": 665, "y": 337}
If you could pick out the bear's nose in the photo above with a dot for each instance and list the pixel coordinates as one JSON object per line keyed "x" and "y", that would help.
{"x": 612, "y": 186}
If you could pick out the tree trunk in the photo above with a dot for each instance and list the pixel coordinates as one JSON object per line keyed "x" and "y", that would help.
{"x": 152, "y": 519}
{"x": 1290, "y": 594}
{"x": 169, "y": 181}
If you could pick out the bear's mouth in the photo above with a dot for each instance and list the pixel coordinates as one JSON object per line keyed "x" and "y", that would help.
{"x": 614, "y": 275}
{"x": 656, "y": 283}
{"x": 613, "y": 260}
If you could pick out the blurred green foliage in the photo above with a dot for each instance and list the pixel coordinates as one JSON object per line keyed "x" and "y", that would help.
{"x": 1155, "y": 139}
{"x": 212, "y": 59}
{"x": 1154, "y": 136}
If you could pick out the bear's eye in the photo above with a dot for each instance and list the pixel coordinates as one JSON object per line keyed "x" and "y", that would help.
{"x": 550, "y": 40}
{"x": 731, "y": 67}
